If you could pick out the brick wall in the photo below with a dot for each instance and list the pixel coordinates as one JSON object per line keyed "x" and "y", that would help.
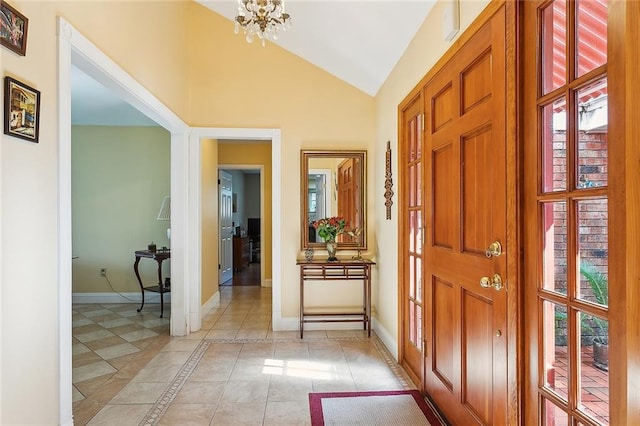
{"x": 592, "y": 216}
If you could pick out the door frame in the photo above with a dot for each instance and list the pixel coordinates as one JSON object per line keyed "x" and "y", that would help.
{"x": 515, "y": 355}
{"x": 195, "y": 216}
{"x": 74, "y": 48}
{"x": 186, "y": 226}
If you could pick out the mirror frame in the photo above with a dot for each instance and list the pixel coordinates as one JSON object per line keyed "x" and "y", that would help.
{"x": 305, "y": 156}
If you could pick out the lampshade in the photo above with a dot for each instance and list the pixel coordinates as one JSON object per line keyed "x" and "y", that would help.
{"x": 165, "y": 209}
{"x": 165, "y": 212}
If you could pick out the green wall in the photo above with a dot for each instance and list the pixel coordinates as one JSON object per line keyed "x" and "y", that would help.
{"x": 119, "y": 178}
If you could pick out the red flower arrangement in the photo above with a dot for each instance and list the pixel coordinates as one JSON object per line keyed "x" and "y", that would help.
{"x": 330, "y": 227}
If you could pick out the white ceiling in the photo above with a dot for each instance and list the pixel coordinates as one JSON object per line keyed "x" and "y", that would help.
{"x": 92, "y": 104}
{"x": 358, "y": 41}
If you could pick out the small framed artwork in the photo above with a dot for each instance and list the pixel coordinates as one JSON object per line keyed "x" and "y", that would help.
{"x": 13, "y": 29}
{"x": 21, "y": 110}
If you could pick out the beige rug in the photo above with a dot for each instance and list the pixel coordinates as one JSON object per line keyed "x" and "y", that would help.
{"x": 396, "y": 408}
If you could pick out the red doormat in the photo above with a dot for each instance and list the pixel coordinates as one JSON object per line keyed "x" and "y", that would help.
{"x": 372, "y": 408}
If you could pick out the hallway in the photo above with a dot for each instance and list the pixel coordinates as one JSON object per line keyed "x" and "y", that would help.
{"x": 236, "y": 370}
{"x": 247, "y": 276}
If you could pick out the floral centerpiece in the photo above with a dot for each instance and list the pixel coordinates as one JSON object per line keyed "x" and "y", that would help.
{"x": 328, "y": 229}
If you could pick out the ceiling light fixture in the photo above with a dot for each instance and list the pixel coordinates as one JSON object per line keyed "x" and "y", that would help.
{"x": 262, "y": 19}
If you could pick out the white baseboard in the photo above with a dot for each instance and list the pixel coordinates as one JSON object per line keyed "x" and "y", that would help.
{"x": 213, "y": 302}
{"x": 119, "y": 298}
{"x": 386, "y": 338}
{"x": 268, "y": 282}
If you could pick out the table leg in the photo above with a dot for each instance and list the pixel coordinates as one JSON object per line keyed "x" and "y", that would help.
{"x": 161, "y": 287}
{"x": 301, "y": 303}
{"x": 364, "y": 301}
{"x": 368, "y": 301}
{"x": 135, "y": 269}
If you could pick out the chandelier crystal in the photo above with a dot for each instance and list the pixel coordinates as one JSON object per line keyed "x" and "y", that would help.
{"x": 262, "y": 19}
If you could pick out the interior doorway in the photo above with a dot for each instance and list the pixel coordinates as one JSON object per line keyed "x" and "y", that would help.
{"x": 250, "y": 225}
{"x": 74, "y": 49}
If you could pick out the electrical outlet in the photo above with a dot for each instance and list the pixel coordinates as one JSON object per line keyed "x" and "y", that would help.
{"x": 103, "y": 272}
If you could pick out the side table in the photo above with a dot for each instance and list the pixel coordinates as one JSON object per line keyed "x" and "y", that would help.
{"x": 323, "y": 270}
{"x": 159, "y": 256}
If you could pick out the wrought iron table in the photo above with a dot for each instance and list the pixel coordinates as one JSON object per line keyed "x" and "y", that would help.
{"x": 162, "y": 287}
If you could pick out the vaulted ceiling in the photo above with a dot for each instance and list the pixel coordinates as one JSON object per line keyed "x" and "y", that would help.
{"x": 358, "y": 41}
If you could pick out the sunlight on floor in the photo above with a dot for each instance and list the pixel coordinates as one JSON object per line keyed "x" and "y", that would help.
{"x": 300, "y": 368}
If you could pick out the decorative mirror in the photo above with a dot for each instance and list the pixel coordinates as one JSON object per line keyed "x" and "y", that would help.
{"x": 333, "y": 183}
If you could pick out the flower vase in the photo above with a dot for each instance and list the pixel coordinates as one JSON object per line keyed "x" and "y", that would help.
{"x": 331, "y": 249}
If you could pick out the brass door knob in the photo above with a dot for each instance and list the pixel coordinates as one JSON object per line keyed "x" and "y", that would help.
{"x": 495, "y": 282}
{"x": 485, "y": 282}
{"x": 494, "y": 249}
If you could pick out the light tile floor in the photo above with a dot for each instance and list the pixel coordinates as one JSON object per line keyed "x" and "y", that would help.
{"x": 127, "y": 370}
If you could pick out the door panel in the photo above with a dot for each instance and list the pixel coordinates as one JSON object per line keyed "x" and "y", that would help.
{"x": 466, "y": 193}
{"x": 442, "y": 320}
{"x": 442, "y": 109}
{"x": 442, "y": 192}
{"x": 476, "y": 87}
{"x": 226, "y": 227}
{"x": 477, "y": 338}
{"x": 477, "y": 192}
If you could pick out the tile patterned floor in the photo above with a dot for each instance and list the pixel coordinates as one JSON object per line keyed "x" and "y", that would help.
{"x": 127, "y": 370}
{"x": 111, "y": 343}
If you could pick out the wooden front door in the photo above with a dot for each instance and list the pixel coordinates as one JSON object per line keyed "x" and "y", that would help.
{"x": 568, "y": 173}
{"x": 412, "y": 254}
{"x": 465, "y": 146}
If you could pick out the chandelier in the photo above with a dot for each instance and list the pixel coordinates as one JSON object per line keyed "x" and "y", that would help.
{"x": 261, "y": 18}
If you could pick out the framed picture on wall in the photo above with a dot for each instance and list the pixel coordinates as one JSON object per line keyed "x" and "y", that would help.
{"x": 13, "y": 29}
{"x": 21, "y": 110}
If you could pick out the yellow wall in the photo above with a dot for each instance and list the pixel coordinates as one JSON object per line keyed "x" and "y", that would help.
{"x": 148, "y": 41}
{"x": 120, "y": 176}
{"x": 209, "y": 212}
{"x": 422, "y": 53}
{"x": 243, "y": 153}
{"x": 147, "y": 38}
{"x": 245, "y": 85}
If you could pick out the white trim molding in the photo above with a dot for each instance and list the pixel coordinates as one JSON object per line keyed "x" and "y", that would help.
{"x": 387, "y": 339}
{"x": 74, "y": 48}
{"x": 213, "y": 302}
{"x": 195, "y": 219}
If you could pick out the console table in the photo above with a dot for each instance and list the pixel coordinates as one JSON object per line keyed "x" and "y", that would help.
{"x": 322, "y": 270}
{"x": 159, "y": 256}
